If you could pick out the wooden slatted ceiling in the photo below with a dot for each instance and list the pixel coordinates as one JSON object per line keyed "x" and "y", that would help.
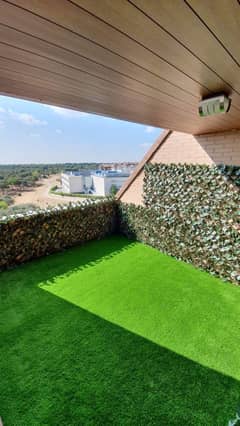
{"x": 144, "y": 61}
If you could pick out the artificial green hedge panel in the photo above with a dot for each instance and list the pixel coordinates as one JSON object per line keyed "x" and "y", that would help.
{"x": 38, "y": 234}
{"x": 192, "y": 213}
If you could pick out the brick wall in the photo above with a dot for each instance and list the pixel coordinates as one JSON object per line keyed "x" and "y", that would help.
{"x": 185, "y": 148}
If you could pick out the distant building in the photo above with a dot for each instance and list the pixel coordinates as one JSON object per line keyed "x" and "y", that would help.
{"x": 99, "y": 182}
{"x": 73, "y": 182}
{"x": 103, "y": 181}
{"x": 125, "y": 167}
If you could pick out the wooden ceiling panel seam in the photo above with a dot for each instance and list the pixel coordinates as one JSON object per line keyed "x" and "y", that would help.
{"x": 95, "y": 76}
{"x": 83, "y": 81}
{"x": 98, "y": 64}
{"x": 74, "y": 89}
{"x": 183, "y": 92}
{"x": 105, "y": 92}
{"x": 212, "y": 32}
{"x": 231, "y": 90}
{"x": 229, "y": 87}
{"x": 144, "y": 118}
{"x": 68, "y": 28}
{"x": 186, "y": 47}
{"x": 163, "y": 104}
{"x": 42, "y": 97}
{"x": 93, "y": 89}
{"x": 47, "y": 99}
{"x": 221, "y": 13}
{"x": 115, "y": 54}
{"x": 15, "y": 81}
{"x": 140, "y": 44}
{"x": 54, "y": 22}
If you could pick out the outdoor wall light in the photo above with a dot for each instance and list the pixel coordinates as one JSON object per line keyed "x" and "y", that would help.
{"x": 215, "y": 105}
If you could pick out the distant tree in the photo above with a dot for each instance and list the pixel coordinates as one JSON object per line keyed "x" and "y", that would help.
{"x": 113, "y": 190}
{"x": 3, "y": 205}
{"x": 3, "y": 184}
{"x": 35, "y": 175}
{"x": 12, "y": 180}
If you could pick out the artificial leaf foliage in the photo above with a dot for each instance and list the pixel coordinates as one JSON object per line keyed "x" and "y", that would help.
{"x": 191, "y": 212}
{"x": 39, "y": 233}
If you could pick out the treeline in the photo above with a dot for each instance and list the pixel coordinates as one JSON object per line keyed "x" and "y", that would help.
{"x": 27, "y": 175}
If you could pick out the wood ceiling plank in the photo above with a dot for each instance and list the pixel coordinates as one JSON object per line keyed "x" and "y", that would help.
{"x": 49, "y": 95}
{"x": 124, "y": 16}
{"x": 178, "y": 18}
{"x": 85, "y": 24}
{"x": 25, "y": 73}
{"x": 148, "y": 83}
{"x": 36, "y": 65}
{"x": 223, "y": 18}
{"x": 73, "y": 38}
{"x": 83, "y": 84}
{"x": 9, "y": 52}
{"x": 37, "y": 90}
{"x": 70, "y": 17}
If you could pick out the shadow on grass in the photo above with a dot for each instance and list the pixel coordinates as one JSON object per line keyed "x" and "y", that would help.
{"x": 70, "y": 260}
{"x": 63, "y": 365}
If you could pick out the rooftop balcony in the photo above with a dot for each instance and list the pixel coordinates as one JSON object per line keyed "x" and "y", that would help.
{"x": 111, "y": 331}
{"x": 116, "y": 332}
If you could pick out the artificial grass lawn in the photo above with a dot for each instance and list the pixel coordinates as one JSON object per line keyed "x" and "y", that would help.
{"x": 116, "y": 333}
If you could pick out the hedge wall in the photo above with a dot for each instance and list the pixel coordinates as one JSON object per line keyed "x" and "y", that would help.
{"x": 23, "y": 237}
{"x": 192, "y": 213}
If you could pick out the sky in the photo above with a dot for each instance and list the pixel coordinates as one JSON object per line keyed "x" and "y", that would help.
{"x": 36, "y": 133}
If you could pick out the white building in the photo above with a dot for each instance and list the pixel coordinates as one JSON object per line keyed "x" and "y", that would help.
{"x": 99, "y": 182}
{"x": 73, "y": 182}
{"x": 103, "y": 181}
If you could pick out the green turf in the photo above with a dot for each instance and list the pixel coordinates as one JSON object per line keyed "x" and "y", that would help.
{"x": 116, "y": 333}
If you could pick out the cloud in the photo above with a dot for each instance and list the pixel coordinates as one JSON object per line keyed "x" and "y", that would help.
{"x": 26, "y": 118}
{"x": 34, "y": 135}
{"x": 68, "y": 113}
{"x": 59, "y": 131}
{"x": 149, "y": 129}
{"x": 145, "y": 144}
